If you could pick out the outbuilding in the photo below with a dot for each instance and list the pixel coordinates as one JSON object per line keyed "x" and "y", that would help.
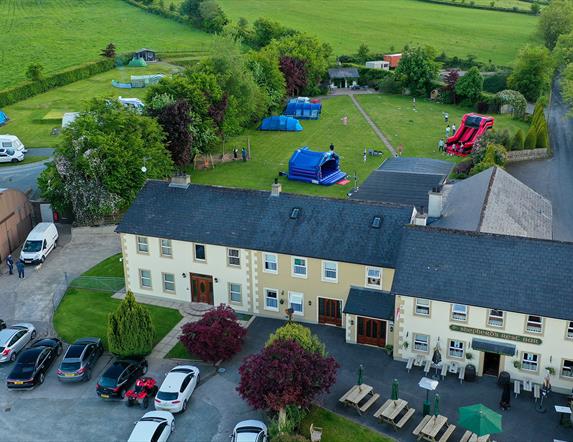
{"x": 343, "y": 77}
{"x": 15, "y": 220}
{"x": 146, "y": 54}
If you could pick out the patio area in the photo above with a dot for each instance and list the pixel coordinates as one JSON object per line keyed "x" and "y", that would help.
{"x": 520, "y": 423}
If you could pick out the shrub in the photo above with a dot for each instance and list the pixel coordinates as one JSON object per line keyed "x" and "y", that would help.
{"x": 300, "y": 334}
{"x": 505, "y": 138}
{"x": 531, "y": 138}
{"x": 518, "y": 140}
{"x": 390, "y": 85}
{"x": 35, "y": 72}
{"x": 542, "y": 137}
{"x": 515, "y": 99}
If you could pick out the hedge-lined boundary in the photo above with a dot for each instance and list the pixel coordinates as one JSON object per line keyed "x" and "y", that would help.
{"x": 152, "y": 9}
{"x": 483, "y": 7}
{"x": 32, "y": 88}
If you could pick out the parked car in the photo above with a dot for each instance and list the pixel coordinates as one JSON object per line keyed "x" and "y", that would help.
{"x": 9, "y": 155}
{"x": 250, "y": 431}
{"x": 80, "y": 359}
{"x": 155, "y": 426}
{"x": 13, "y": 339}
{"x": 177, "y": 388}
{"x": 40, "y": 242}
{"x": 119, "y": 376}
{"x": 12, "y": 142}
{"x": 32, "y": 365}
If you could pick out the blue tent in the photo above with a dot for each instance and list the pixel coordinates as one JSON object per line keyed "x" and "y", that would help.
{"x": 315, "y": 167}
{"x": 281, "y": 123}
{"x": 303, "y": 110}
{"x": 3, "y": 118}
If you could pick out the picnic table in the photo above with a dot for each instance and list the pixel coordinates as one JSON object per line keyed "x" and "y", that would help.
{"x": 391, "y": 411}
{"x": 433, "y": 427}
{"x": 472, "y": 437}
{"x": 357, "y": 394}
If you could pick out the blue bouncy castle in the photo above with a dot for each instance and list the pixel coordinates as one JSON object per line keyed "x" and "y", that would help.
{"x": 315, "y": 167}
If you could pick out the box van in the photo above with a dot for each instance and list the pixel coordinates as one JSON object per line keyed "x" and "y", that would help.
{"x": 39, "y": 243}
{"x": 9, "y": 155}
{"x": 12, "y": 142}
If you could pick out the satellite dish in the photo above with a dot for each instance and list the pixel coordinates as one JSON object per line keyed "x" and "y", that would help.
{"x": 144, "y": 169}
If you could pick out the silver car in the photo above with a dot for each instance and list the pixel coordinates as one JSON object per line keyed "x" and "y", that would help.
{"x": 13, "y": 340}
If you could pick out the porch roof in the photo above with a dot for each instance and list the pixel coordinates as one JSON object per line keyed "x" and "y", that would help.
{"x": 370, "y": 302}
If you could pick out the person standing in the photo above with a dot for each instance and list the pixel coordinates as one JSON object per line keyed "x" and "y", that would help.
{"x": 235, "y": 153}
{"x": 414, "y": 103}
{"x": 10, "y": 263}
{"x": 244, "y": 154}
{"x": 441, "y": 145}
{"x": 364, "y": 155}
{"x": 400, "y": 149}
{"x": 20, "y": 267}
{"x": 332, "y": 147}
{"x": 447, "y": 131}
{"x": 453, "y": 129}
{"x": 446, "y": 117}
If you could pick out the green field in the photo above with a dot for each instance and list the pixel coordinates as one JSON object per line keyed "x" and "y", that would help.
{"x": 28, "y": 118}
{"x": 62, "y": 33}
{"x": 383, "y": 24}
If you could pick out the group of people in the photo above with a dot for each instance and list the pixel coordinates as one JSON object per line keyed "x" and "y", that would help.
{"x": 449, "y": 130}
{"x": 19, "y": 266}
{"x": 243, "y": 154}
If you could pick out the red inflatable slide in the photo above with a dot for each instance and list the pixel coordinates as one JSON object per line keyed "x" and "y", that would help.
{"x": 473, "y": 126}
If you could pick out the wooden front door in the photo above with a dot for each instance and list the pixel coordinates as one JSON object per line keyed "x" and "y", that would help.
{"x": 329, "y": 311}
{"x": 491, "y": 364}
{"x": 202, "y": 288}
{"x": 371, "y": 331}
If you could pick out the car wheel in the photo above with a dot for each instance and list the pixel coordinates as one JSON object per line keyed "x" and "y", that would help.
{"x": 122, "y": 393}
{"x": 42, "y": 259}
{"x": 144, "y": 369}
{"x": 88, "y": 375}
{"x": 198, "y": 379}
{"x": 129, "y": 403}
{"x": 13, "y": 356}
{"x": 33, "y": 334}
{"x": 14, "y": 160}
{"x": 59, "y": 350}
{"x": 145, "y": 403}
{"x": 184, "y": 405}
{"x": 172, "y": 426}
{"x": 41, "y": 378}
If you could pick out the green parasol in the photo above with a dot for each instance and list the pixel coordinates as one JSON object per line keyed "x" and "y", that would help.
{"x": 360, "y": 375}
{"x": 479, "y": 419}
{"x": 394, "y": 395}
{"x": 436, "y": 404}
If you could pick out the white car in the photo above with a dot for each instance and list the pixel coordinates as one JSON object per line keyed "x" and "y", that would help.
{"x": 13, "y": 340}
{"x": 155, "y": 426}
{"x": 250, "y": 431}
{"x": 9, "y": 155}
{"x": 176, "y": 389}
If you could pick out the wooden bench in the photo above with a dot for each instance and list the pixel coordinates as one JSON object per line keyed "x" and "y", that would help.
{"x": 410, "y": 364}
{"x": 383, "y": 407}
{"x": 345, "y": 396}
{"x": 462, "y": 373}
{"x": 447, "y": 434}
{"x": 444, "y": 371}
{"x": 466, "y": 437}
{"x": 427, "y": 366}
{"x": 516, "y": 387}
{"x": 421, "y": 425}
{"x": 536, "y": 392}
{"x": 369, "y": 403}
{"x": 405, "y": 418}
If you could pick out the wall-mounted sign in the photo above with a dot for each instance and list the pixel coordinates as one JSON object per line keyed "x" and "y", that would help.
{"x": 496, "y": 334}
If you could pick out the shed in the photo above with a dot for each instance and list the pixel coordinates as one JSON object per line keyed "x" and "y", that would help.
{"x": 281, "y": 123}
{"x": 378, "y": 64}
{"x": 15, "y": 220}
{"x": 339, "y": 77}
{"x": 146, "y": 54}
{"x": 393, "y": 59}
{"x": 315, "y": 167}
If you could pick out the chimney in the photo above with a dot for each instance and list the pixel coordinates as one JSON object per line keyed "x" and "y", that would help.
{"x": 181, "y": 181}
{"x": 435, "y": 203}
{"x": 420, "y": 219}
{"x": 276, "y": 188}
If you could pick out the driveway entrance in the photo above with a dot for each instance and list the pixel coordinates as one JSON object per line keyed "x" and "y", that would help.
{"x": 371, "y": 331}
{"x": 201, "y": 288}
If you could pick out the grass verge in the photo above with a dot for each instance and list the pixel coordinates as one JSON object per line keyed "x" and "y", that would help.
{"x": 180, "y": 352}
{"x": 26, "y": 160}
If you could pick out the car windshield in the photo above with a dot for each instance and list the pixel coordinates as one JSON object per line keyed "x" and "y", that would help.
{"x": 32, "y": 246}
{"x": 70, "y": 366}
{"x": 108, "y": 382}
{"x": 22, "y": 370}
{"x": 10, "y": 151}
{"x": 164, "y": 396}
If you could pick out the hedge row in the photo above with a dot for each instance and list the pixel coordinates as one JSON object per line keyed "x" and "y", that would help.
{"x": 153, "y": 9}
{"x": 31, "y": 88}
{"x": 474, "y": 6}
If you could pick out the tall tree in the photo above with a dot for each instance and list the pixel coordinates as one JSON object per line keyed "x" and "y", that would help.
{"x": 556, "y": 19}
{"x": 451, "y": 80}
{"x": 470, "y": 85}
{"x": 532, "y": 72}
{"x": 295, "y": 75}
{"x": 213, "y": 19}
{"x": 362, "y": 54}
{"x": 417, "y": 69}
{"x": 266, "y": 71}
{"x": 108, "y": 51}
{"x": 300, "y": 334}
{"x": 266, "y": 30}
{"x": 175, "y": 119}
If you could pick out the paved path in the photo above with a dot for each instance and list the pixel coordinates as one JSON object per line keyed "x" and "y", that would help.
{"x": 375, "y": 128}
{"x": 22, "y": 177}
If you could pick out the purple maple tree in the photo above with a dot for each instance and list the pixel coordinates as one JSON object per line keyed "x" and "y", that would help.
{"x": 295, "y": 73}
{"x": 175, "y": 119}
{"x": 451, "y": 79}
{"x": 216, "y": 336}
{"x": 285, "y": 374}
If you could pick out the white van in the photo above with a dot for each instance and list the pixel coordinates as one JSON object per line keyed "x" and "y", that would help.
{"x": 9, "y": 155}
{"x": 40, "y": 242}
{"x": 12, "y": 142}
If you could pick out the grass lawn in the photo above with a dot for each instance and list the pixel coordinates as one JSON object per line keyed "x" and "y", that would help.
{"x": 26, "y": 160}
{"x": 420, "y": 131}
{"x": 180, "y": 352}
{"x": 28, "y": 118}
{"x": 336, "y": 428}
{"x": 84, "y": 312}
{"x": 394, "y": 23}
{"x": 63, "y": 33}
{"x": 271, "y": 152}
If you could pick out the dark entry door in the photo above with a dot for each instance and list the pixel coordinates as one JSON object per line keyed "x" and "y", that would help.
{"x": 371, "y": 331}
{"x": 202, "y": 289}
{"x": 490, "y": 363}
{"x": 329, "y": 311}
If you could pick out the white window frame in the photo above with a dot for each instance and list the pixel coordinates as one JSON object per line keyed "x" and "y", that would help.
{"x": 569, "y": 370}
{"x": 272, "y": 309}
{"x": 462, "y": 316}
{"x": 296, "y": 295}
{"x": 162, "y": 248}
{"x": 534, "y": 327}
{"x": 417, "y": 342}
{"x": 569, "y": 331}
{"x": 142, "y": 278}
{"x": 489, "y": 317}
{"x": 526, "y": 361}
{"x": 420, "y": 307}
{"x": 195, "y": 252}
{"x": 142, "y": 241}
{"x": 231, "y": 292}
{"x": 326, "y": 278}
{"x": 276, "y": 263}
{"x": 164, "y": 282}
{"x": 294, "y": 266}
{"x": 232, "y": 259}
{"x": 369, "y": 278}
{"x": 456, "y": 349}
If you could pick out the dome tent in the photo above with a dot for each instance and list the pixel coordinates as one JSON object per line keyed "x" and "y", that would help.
{"x": 281, "y": 123}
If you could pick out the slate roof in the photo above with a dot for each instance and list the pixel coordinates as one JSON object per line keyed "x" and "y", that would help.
{"x": 370, "y": 302}
{"x": 493, "y": 201}
{"x": 417, "y": 165}
{"x": 326, "y": 228}
{"x": 511, "y": 273}
{"x": 343, "y": 73}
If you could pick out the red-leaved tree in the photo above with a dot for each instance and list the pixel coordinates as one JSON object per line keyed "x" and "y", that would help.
{"x": 216, "y": 336}
{"x": 451, "y": 79}
{"x": 285, "y": 374}
{"x": 295, "y": 73}
{"x": 175, "y": 119}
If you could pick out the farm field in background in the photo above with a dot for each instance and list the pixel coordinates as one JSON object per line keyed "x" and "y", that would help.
{"x": 27, "y": 118}
{"x": 394, "y": 23}
{"x": 63, "y": 33}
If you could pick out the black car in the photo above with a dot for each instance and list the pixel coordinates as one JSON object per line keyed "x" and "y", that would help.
{"x": 33, "y": 363}
{"x": 80, "y": 359}
{"x": 119, "y": 376}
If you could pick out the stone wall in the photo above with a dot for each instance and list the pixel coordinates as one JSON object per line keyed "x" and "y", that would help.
{"x": 514, "y": 156}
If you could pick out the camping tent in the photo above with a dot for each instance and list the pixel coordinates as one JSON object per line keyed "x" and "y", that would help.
{"x": 303, "y": 110}
{"x": 3, "y": 118}
{"x": 315, "y": 167}
{"x": 281, "y": 123}
{"x": 137, "y": 63}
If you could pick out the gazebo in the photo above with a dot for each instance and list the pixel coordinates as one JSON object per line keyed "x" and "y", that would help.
{"x": 340, "y": 77}
{"x": 146, "y": 54}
